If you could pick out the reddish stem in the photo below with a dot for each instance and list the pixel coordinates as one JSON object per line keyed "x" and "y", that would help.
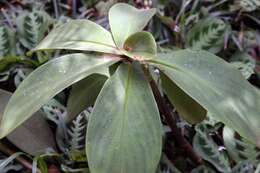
{"x": 176, "y": 132}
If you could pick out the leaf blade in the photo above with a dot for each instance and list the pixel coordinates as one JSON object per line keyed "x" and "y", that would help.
{"x": 188, "y": 108}
{"x": 129, "y": 137}
{"x": 58, "y": 73}
{"x": 217, "y": 86}
{"x": 79, "y": 35}
{"x": 126, "y": 20}
{"x": 140, "y": 45}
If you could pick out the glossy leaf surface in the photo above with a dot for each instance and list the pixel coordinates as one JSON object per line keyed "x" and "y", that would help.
{"x": 124, "y": 126}
{"x": 126, "y": 20}
{"x": 217, "y": 86}
{"x": 45, "y": 82}
{"x": 79, "y": 35}
{"x": 140, "y": 45}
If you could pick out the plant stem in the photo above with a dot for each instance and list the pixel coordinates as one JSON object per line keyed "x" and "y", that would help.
{"x": 176, "y": 132}
{"x": 22, "y": 161}
{"x": 56, "y": 8}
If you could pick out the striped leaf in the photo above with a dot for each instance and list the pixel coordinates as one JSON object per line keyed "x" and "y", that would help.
{"x": 7, "y": 43}
{"x": 239, "y": 148}
{"x": 205, "y": 146}
{"x": 32, "y": 27}
{"x": 207, "y": 34}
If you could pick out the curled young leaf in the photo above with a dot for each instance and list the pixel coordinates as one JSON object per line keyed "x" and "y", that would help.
{"x": 126, "y": 20}
{"x": 140, "y": 45}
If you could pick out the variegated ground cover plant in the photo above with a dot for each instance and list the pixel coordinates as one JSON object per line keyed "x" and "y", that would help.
{"x": 124, "y": 132}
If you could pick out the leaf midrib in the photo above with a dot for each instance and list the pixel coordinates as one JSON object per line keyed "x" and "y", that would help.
{"x": 190, "y": 74}
{"x": 94, "y": 42}
{"x": 203, "y": 82}
{"x": 125, "y": 110}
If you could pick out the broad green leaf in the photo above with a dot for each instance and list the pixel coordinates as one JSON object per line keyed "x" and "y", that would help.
{"x": 126, "y": 20}
{"x": 188, "y": 108}
{"x": 124, "y": 126}
{"x": 45, "y": 82}
{"x": 81, "y": 35}
{"x": 140, "y": 45}
{"x": 217, "y": 86}
{"x": 84, "y": 93}
{"x": 205, "y": 146}
{"x": 33, "y": 136}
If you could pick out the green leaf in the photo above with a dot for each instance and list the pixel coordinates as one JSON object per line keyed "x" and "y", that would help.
{"x": 204, "y": 145}
{"x": 244, "y": 63}
{"x": 124, "y": 126}
{"x": 207, "y": 34}
{"x": 140, "y": 45}
{"x": 7, "y": 43}
{"x": 188, "y": 108}
{"x": 45, "y": 82}
{"x": 34, "y": 136}
{"x": 81, "y": 35}
{"x": 31, "y": 27}
{"x": 126, "y": 20}
{"x": 84, "y": 93}
{"x": 217, "y": 86}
